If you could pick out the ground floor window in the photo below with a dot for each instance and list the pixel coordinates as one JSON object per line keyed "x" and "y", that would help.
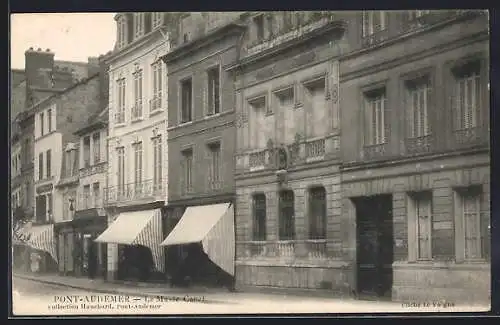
{"x": 286, "y": 215}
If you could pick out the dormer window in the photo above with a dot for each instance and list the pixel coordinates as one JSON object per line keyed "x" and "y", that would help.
{"x": 138, "y": 24}
{"x": 157, "y": 19}
{"x": 122, "y": 31}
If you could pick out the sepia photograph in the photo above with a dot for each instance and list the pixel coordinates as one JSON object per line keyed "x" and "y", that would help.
{"x": 250, "y": 162}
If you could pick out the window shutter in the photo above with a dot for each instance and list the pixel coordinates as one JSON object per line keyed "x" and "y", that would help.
{"x": 477, "y": 103}
{"x": 369, "y": 120}
{"x": 386, "y": 120}
{"x": 428, "y": 106}
{"x": 206, "y": 103}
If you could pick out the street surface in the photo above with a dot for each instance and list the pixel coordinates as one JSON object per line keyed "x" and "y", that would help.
{"x": 35, "y": 298}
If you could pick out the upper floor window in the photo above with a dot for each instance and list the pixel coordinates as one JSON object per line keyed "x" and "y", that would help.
{"x": 214, "y": 165}
{"x": 467, "y": 96}
{"x": 317, "y": 213}
{"x": 376, "y": 121}
{"x": 86, "y": 151}
{"x": 48, "y": 157}
{"x": 40, "y": 166}
{"x": 137, "y": 108}
{"x": 258, "y": 112}
{"x": 120, "y": 152}
{"x": 187, "y": 170}
{"x": 96, "y": 139}
{"x": 415, "y": 14}
{"x": 373, "y": 22}
{"x": 71, "y": 162}
{"x": 120, "y": 107}
{"x": 417, "y": 104}
{"x": 157, "y": 163}
{"x": 138, "y": 163}
{"x": 139, "y": 24}
{"x": 186, "y": 101}
{"x": 42, "y": 120}
{"x": 286, "y": 215}
{"x": 213, "y": 91}
{"x": 49, "y": 120}
{"x": 259, "y": 217}
{"x": 122, "y": 31}
{"x": 259, "y": 26}
{"x": 156, "y": 101}
{"x": 157, "y": 19}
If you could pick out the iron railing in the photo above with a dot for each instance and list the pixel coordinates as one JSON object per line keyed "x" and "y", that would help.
{"x": 89, "y": 201}
{"x": 99, "y": 168}
{"x": 314, "y": 249}
{"x": 147, "y": 189}
{"x": 155, "y": 104}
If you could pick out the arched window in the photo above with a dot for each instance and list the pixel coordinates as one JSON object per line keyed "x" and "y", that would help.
{"x": 286, "y": 215}
{"x": 317, "y": 213}
{"x": 259, "y": 217}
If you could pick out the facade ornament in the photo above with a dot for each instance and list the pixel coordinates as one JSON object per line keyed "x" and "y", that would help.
{"x": 118, "y": 142}
{"x": 156, "y": 132}
{"x": 335, "y": 94}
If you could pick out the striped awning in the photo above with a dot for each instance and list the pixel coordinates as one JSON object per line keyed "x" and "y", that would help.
{"x": 213, "y": 226}
{"x": 137, "y": 228}
{"x": 41, "y": 237}
{"x": 21, "y": 234}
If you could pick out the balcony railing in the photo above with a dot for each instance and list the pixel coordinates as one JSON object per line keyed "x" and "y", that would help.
{"x": 120, "y": 116}
{"x": 146, "y": 190}
{"x": 99, "y": 168}
{"x": 375, "y": 38}
{"x": 215, "y": 185}
{"x": 419, "y": 144}
{"x": 375, "y": 151}
{"x": 257, "y": 160}
{"x": 314, "y": 249}
{"x": 89, "y": 201}
{"x": 155, "y": 104}
{"x": 471, "y": 137}
{"x": 315, "y": 150}
{"x": 136, "y": 111}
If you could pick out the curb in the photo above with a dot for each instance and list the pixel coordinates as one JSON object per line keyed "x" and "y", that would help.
{"x": 121, "y": 292}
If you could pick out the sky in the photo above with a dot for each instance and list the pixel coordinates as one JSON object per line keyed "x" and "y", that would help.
{"x": 71, "y": 36}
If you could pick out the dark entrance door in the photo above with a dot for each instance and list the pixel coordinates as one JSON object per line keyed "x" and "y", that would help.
{"x": 374, "y": 246}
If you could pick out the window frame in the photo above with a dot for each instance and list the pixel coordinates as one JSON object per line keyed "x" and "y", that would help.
{"x": 121, "y": 101}
{"x": 157, "y": 86}
{"x": 96, "y": 141}
{"x": 187, "y": 169}
{"x": 418, "y": 85}
{"x": 186, "y": 110}
{"x": 120, "y": 172}
{"x": 49, "y": 120}
{"x": 42, "y": 126}
{"x": 139, "y": 24}
{"x": 259, "y": 227}
{"x": 368, "y": 21}
{"x": 48, "y": 163}
{"x": 214, "y": 166}
{"x": 286, "y": 227}
{"x": 137, "y": 108}
{"x": 40, "y": 166}
{"x": 157, "y": 162}
{"x": 213, "y": 96}
{"x": 138, "y": 164}
{"x": 157, "y": 20}
{"x": 460, "y": 73}
{"x": 370, "y": 96}
{"x": 313, "y": 205}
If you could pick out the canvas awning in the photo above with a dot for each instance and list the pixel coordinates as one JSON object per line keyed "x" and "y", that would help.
{"x": 213, "y": 226}
{"x": 137, "y": 228}
{"x": 41, "y": 237}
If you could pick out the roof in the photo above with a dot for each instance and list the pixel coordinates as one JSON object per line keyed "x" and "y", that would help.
{"x": 95, "y": 121}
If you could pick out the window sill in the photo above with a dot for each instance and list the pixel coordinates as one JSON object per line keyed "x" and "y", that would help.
{"x": 314, "y": 159}
{"x": 156, "y": 112}
{"x": 185, "y": 123}
{"x": 136, "y": 120}
{"x": 257, "y": 168}
{"x": 120, "y": 125}
{"x": 210, "y": 116}
{"x": 45, "y": 135}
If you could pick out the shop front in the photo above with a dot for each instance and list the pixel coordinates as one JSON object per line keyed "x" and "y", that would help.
{"x": 203, "y": 243}
{"x": 133, "y": 240}
{"x": 41, "y": 248}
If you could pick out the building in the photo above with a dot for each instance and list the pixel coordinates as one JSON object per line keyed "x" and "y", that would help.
{"x": 287, "y": 151}
{"x": 41, "y": 78}
{"x": 415, "y": 155}
{"x": 375, "y": 195}
{"x": 201, "y": 135}
{"x": 137, "y": 147}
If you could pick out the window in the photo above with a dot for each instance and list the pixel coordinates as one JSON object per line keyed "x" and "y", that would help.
{"x": 48, "y": 158}
{"x": 41, "y": 124}
{"x": 317, "y": 213}
{"x": 49, "y": 120}
{"x": 376, "y": 124}
{"x": 49, "y": 207}
{"x": 423, "y": 213}
{"x": 122, "y": 31}
{"x": 96, "y": 194}
{"x": 373, "y": 22}
{"x": 286, "y": 215}
{"x": 157, "y": 161}
{"x": 138, "y": 24}
{"x": 213, "y": 91}
{"x": 41, "y": 208}
{"x": 157, "y": 19}
{"x": 96, "y": 137}
{"x": 259, "y": 26}
{"x": 214, "y": 165}
{"x": 286, "y": 104}
{"x": 259, "y": 217}
{"x": 467, "y": 100}
{"x": 120, "y": 109}
{"x": 157, "y": 86}
{"x": 473, "y": 230}
{"x": 40, "y": 166}
{"x": 120, "y": 152}
{"x": 415, "y": 14}
{"x": 137, "y": 108}
{"x": 68, "y": 166}
{"x": 187, "y": 170}
{"x": 86, "y": 151}
{"x": 138, "y": 165}
{"x": 185, "y": 37}
{"x": 418, "y": 101}
{"x": 257, "y": 123}
{"x": 86, "y": 197}
{"x": 187, "y": 104}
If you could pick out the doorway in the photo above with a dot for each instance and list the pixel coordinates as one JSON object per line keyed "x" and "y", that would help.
{"x": 374, "y": 233}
